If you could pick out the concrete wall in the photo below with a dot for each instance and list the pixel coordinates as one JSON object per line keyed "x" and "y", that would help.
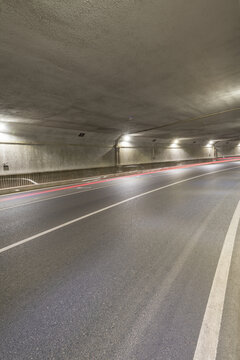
{"x": 27, "y": 158}
{"x": 31, "y": 148}
{"x": 231, "y": 149}
{"x": 38, "y": 158}
{"x": 136, "y": 155}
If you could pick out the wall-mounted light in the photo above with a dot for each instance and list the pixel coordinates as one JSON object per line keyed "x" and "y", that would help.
{"x": 126, "y": 137}
{"x": 4, "y": 135}
{"x": 124, "y": 140}
{"x": 210, "y": 143}
{"x": 3, "y": 127}
{"x": 175, "y": 143}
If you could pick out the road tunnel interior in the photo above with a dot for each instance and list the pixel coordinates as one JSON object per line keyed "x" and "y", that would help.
{"x": 153, "y": 70}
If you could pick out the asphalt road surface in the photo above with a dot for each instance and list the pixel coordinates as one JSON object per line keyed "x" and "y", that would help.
{"x": 123, "y": 269}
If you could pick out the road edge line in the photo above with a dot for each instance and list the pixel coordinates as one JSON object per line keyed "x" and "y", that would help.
{"x": 18, "y": 243}
{"x": 207, "y": 344}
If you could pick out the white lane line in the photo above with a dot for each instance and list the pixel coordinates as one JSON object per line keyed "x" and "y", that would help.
{"x": 75, "y": 181}
{"x": 18, "y": 243}
{"x": 91, "y": 179}
{"x": 55, "y": 197}
{"x": 137, "y": 332}
{"x": 88, "y": 189}
{"x": 209, "y": 334}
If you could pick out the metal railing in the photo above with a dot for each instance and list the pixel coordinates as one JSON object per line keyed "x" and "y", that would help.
{"x": 28, "y": 179}
{"x": 37, "y": 178}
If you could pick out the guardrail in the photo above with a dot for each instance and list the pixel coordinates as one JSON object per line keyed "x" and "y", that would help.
{"x": 29, "y": 179}
{"x": 15, "y": 181}
{"x": 19, "y": 180}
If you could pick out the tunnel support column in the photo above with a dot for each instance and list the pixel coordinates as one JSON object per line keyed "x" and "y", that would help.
{"x": 117, "y": 152}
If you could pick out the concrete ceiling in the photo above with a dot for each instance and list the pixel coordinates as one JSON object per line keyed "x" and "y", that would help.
{"x": 158, "y": 68}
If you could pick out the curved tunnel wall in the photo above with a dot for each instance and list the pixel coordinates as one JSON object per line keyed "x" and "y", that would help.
{"x": 30, "y": 158}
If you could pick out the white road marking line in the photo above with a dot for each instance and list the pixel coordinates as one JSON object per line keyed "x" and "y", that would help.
{"x": 112, "y": 176}
{"x": 209, "y": 334}
{"x": 88, "y": 189}
{"x": 18, "y": 243}
{"x": 149, "y": 312}
{"x": 91, "y": 179}
{"x": 55, "y": 197}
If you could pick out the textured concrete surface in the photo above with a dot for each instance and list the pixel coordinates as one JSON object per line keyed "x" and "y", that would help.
{"x": 38, "y": 158}
{"x": 232, "y": 148}
{"x": 129, "y": 283}
{"x": 138, "y": 155}
{"x": 116, "y": 66}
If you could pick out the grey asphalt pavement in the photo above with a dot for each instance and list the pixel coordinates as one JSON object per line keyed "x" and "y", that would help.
{"x": 128, "y": 283}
